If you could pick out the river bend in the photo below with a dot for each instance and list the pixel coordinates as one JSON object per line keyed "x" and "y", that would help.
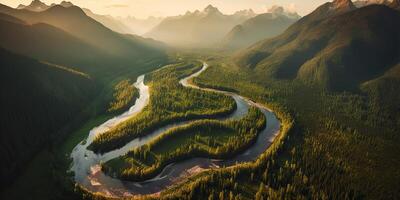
{"x": 86, "y": 164}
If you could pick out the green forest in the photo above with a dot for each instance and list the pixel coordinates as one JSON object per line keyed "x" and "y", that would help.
{"x": 331, "y": 77}
{"x": 54, "y": 106}
{"x": 315, "y": 155}
{"x": 203, "y": 138}
{"x": 124, "y": 95}
{"x": 169, "y": 102}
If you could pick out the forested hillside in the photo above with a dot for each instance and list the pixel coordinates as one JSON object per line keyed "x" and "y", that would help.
{"x": 333, "y": 145}
{"x": 339, "y": 141}
{"x": 333, "y": 47}
{"x": 332, "y": 78}
{"x": 39, "y": 103}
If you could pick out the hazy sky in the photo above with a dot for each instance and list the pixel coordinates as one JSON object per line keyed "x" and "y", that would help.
{"x": 144, "y": 8}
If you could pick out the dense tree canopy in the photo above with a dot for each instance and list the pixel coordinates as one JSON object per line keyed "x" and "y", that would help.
{"x": 169, "y": 102}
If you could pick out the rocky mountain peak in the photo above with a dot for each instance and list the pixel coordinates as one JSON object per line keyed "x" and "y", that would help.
{"x": 276, "y": 10}
{"x": 211, "y": 9}
{"x": 36, "y": 5}
{"x": 66, "y": 4}
{"x": 343, "y": 5}
{"x": 246, "y": 13}
{"x": 281, "y": 11}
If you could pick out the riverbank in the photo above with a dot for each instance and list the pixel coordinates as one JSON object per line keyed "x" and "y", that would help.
{"x": 174, "y": 172}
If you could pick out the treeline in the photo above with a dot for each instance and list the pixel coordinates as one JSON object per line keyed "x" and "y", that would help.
{"x": 125, "y": 94}
{"x": 169, "y": 102}
{"x": 204, "y": 138}
{"x": 340, "y": 145}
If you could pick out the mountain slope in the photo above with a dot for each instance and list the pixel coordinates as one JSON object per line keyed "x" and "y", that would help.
{"x": 92, "y": 47}
{"x": 91, "y": 31}
{"x": 200, "y": 29}
{"x": 37, "y": 101}
{"x": 108, "y": 21}
{"x": 385, "y": 90}
{"x": 51, "y": 44}
{"x": 336, "y": 46}
{"x": 257, "y": 28}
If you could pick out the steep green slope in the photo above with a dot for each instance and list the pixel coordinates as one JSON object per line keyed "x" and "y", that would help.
{"x": 385, "y": 91}
{"x": 326, "y": 48}
{"x": 38, "y": 101}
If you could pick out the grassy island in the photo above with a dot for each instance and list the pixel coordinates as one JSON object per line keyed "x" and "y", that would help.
{"x": 169, "y": 102}
{"x": 202, "y": 138}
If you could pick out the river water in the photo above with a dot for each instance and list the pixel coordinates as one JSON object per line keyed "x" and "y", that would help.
{"x": 86, "y": 164}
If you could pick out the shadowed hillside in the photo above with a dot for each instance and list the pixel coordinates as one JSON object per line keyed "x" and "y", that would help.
{"x": 92, "y": 47}
{"x": 91, "y": 31}
{"x": 49, "y": 43}
{"x": 45, "y": 101}
{"x": 38, "y": 100}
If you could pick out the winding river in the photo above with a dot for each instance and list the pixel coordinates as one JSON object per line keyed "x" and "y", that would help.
{"x": 86, "y": 164}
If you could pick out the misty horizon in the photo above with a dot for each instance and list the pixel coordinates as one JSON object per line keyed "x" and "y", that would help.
{"x": 155, "y": 8}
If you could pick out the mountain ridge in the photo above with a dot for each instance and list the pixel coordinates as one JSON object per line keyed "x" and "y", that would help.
{"x": 311, "y": 48}
{"x": 90, "y": 30}
{"x": 259, "y": 27}
{"x": 106, "y": 20}
{"x": 188, "y": 29}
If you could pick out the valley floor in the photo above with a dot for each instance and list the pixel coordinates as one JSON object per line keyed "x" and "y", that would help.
{"x": 331, "y": 146}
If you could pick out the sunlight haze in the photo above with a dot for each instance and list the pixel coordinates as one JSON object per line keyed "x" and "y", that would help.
{"x": 146, "y": 8}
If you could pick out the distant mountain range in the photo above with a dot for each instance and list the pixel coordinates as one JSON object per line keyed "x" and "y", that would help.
{"x": 260, "y": 27}
{"x": 129, "y": 25}
{"x": 200, "y": 28}
{"x": 140, "y": 26}
{"x": 338, "y": 46}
